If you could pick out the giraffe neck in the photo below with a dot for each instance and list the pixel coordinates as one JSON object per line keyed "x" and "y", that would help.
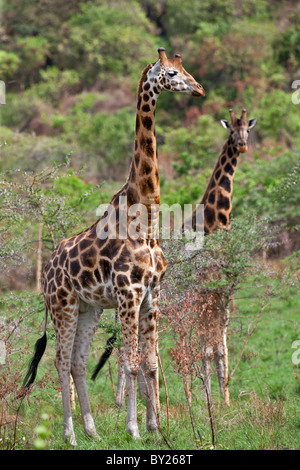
{"x": 142, "y": 186}
{"x": 217, "y": 198}
{"x": 143, "y": 180}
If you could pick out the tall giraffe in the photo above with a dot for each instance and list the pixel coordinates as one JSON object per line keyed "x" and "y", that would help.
{"x": 217, "y": 201}
{"x": 88, "y": 272}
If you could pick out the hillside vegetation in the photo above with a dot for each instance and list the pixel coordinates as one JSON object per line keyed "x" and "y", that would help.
{"x": 71, "y": 71}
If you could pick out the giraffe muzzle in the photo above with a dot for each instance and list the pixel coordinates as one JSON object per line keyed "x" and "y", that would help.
{"x": 198, "y": 90}
{"x": 242, "y": 148}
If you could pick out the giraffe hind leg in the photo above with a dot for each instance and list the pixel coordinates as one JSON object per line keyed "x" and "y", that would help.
{"x": 65, "y": 338}
{"x": 207, "y": 353}
{"x": 219, "y": 361}
{"x": 88, "y": 320}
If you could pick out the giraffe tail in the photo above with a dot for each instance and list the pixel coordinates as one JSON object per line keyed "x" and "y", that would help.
{"x": 40, "y": 347}
{"x": 105, "y": 356}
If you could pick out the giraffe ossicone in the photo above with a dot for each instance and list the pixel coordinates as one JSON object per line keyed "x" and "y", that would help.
{"x": 87, "y": 274}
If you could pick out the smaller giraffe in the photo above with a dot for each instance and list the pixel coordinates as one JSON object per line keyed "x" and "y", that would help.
{"x": 217, "y": 198}
{"x": 217, "y": 201}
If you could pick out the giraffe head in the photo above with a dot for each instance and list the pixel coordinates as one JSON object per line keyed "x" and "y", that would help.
{"x": 169, "y": 74}
{"x": 239, "y": 129}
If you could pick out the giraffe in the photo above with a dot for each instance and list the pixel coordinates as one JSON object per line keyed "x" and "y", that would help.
{"x": 217, "y": 201}
{"x": 91, "y": 271}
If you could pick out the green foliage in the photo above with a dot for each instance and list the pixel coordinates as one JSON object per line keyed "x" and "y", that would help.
{"x": 193, "y": 147}
{"x": 19, "y": 109}
{"x": 111, "y": 136}
{"x": 259, "y": 188}
{"x": 287, "y": 49}
{"x": 188, "y": 17}
{"x": 55, "y": 83}
{"x": 32, "y": 53}
{"x": 51, "y": 197}
{"x": 71, "y": 69}
{"x": 120, "y": 50}
{"x": 27, "y": 152}
{"x": 9, "y": 62}
{"x": 43, "y": 432}
{"x": 278, "y": 116}
{"x": 232, "y": 251}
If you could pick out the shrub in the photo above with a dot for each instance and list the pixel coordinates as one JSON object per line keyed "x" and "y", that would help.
{"x": 9, "y": 63}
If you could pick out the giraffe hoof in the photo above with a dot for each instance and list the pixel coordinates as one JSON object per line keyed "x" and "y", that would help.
{"x": 133, "y": 431}
{"x": 70, "y": 440}
{"x": 152, "y": 427}
{"x": 119, "y": 404}
{"x": 93, "y": 435}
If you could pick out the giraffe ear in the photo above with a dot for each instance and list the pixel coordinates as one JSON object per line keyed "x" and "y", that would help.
{"x": 156, "y": 67}
{"x": 251, "y": 123}
{"x": 225, "y": 124}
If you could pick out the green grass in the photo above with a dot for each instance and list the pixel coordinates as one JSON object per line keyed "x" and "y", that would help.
{"x": 264, "y": 391}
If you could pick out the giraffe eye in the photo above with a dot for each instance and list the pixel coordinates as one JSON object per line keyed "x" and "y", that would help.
{"x": 172, "y": 73}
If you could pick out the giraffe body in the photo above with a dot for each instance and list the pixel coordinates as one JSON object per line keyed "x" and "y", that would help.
{"x": 89, "y": 272}
{"x": 76, "y": 302}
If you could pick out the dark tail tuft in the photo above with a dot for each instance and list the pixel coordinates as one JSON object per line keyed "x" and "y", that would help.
{"x": 108, "y": 350}
{"x": 40, "y": 347}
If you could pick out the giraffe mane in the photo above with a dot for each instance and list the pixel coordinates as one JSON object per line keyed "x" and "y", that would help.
{"x": 208, "y": 186}
{"x": 211, "y": 179}
{"x": 144, "y": 73}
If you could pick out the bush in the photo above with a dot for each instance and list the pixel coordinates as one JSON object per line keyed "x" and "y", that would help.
{"x": 9, "y": 63}
{"x": 55, "y": 83}
{"x": 96, "y": 48}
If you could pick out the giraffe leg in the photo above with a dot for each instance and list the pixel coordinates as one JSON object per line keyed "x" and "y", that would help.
{"x": 206, "y": 364}
{"x": 131, "y": 422}
{"x": 65, "y": 337}
{"x": 142, "y": 381}
{"x": 225, "y": 349}
{"x": 221, "y": 354}
{"x": 129, "y": 320}
{"x": 72, "y": 394}
{"x": 88, "y": 320}
{"x": 149, "y": 366}
{"x": 120, "y": 397}
{"x": 219, "y": 361}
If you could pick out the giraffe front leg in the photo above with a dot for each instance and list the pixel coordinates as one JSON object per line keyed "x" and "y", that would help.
{"x": 149, "y": 366}
{"x": 129, "y": 320}
{"x": 120, "y": 396}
